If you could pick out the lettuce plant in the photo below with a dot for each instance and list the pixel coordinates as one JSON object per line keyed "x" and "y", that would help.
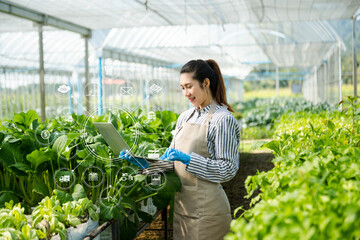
{"x": 63, "y": 210}
{"x": 313, "y": 190}
{"x": 14, "y": 224}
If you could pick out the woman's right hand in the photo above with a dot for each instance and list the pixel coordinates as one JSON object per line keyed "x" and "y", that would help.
{"x": 140, "y": 162}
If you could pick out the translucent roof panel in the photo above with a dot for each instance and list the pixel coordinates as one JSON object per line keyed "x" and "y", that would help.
{"x": 9, "y": 23}
{"x": 179, "y": 36}
{"x": 298, "y": 54}
{"x": 19, "y": 49}
{"x": 237, "y": 47}
{"x": 63, "y": 50}
{"x": 302, "y": 10}
{"x": 238, "y": 34}
{"x": 293, "y": 32}
{"x": 232, "y": 44}
{"x": 284, "y": 44}
{"x": 106, "y": 14}
{"x": 296, "y": 43}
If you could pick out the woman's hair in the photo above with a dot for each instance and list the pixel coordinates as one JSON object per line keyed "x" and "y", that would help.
{"x": 208, "y": 69}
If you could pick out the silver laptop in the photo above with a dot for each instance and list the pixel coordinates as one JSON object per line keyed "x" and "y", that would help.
{"x": 116, "y": 141}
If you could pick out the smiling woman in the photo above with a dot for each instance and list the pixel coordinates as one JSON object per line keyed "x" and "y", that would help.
{"x": 205, "y": 154}
{"x": 201, "y": 81}
{"x": 194, "y": 91}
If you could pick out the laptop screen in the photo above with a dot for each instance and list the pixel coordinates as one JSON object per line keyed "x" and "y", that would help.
{"x": 117, "y": 144}
{"x": 112, "y": 137}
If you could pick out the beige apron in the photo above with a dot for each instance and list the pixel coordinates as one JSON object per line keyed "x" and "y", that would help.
{"x": 202, "y": 210}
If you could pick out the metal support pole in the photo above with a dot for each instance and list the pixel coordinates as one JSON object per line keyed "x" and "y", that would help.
{"x": 34, "y": 91}
{"x": 87, "y": 81}
{"x": 326, "y": 83}
{"x": 24, "y": 92}
{"x": 2, "y": 100}
{"x": 17, "y": 105}
{"x": 136, "y": 69}
{"x": 277, "y": 68}
{"x": 354, "y": 56}
{"x": 41, "y": 74}
{"x": 166, "y": 94}
{"x": 115, "y": 230}
{"x": 142, "y": 93}
{"x": 26, "y": 86}
{"x": 147, "y": 107}
{"x": 11, "y": 106}
{"x": 70, "y": 97}
{"x": 79, "y": 94}
{"x": 316, "y": 86}
{"x": 164, "y": 218}
{"x": 277, "y": 82}
{"x": 7, "y": 114}
{"x": 340, "y": 79}
{"x": 100, "y": 110}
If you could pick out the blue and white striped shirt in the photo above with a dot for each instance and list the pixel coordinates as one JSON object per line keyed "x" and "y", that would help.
{"x": 222, "y": 142}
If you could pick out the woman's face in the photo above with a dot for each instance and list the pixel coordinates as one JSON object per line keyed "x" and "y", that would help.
{"x": 199, "y": 97}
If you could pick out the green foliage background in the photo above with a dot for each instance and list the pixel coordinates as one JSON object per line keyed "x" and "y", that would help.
{"x": 313, "y": 190}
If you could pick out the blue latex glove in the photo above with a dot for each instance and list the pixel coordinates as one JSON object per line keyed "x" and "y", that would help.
{"x": 140, "y": 162}
{"x": 176, "y": 155}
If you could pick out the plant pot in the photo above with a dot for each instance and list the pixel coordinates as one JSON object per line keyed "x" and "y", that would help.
{"x": 80, "y": 231}
{"x": 149, "y": 208}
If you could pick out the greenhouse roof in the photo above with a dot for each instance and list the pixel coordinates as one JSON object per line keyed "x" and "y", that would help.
{"x": 238, "y": 34}
{"x": 108, "y": 14}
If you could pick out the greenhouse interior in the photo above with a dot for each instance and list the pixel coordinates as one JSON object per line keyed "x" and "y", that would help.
{"x": 290, "y": 70}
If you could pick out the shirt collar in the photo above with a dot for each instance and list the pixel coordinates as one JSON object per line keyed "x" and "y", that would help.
{"x": 204, "y": 110}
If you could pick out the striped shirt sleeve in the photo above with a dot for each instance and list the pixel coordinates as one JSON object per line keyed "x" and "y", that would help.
{"x": 224, "y": 162}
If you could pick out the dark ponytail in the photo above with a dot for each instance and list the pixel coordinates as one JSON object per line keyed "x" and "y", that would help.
{"x": 208, "y": 69}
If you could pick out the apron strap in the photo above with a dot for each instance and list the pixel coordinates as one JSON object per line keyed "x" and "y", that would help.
{"x": 207, "y": 120}
{"x": 190, "y": 116}
{"x": 208, "y": 117}
{"x": 211, "y": 112}
{"x": 184, "y": 123}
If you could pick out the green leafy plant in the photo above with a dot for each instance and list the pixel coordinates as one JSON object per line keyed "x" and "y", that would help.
{"x": 14, "y": 224}
{"x": 312, "y": 192}
{"x": 260, "y": 114}
{"x": 26, "y": 165}
{"x": 63, "y": 210}
{"x": 30, "y": 162}
{"x": 52, "y": 216}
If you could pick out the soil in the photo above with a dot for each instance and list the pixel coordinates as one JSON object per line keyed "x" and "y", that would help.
{"x": 250, "y": 163}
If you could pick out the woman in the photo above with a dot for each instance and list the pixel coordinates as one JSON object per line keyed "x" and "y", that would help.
{"x": 205, "y": 153}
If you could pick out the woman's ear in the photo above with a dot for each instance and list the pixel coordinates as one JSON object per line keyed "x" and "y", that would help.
{"x": 206, "y": 82}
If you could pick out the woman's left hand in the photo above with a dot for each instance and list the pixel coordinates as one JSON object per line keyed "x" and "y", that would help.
{"x": 176, "y": 155}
